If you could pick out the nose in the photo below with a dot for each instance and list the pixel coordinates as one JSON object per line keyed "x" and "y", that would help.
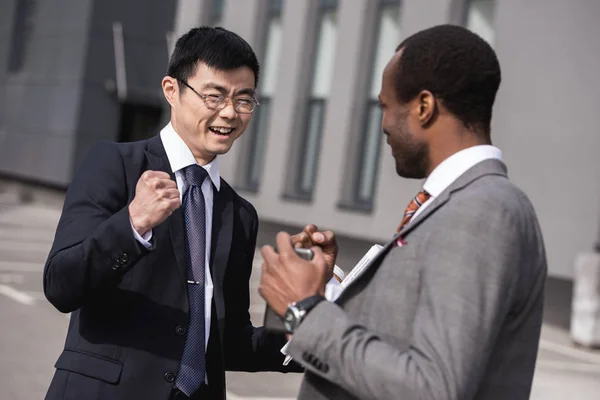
{"x": 228, "y": 112}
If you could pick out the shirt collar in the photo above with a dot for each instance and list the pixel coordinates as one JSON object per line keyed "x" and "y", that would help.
{"x": 180, "y": 156}
{"x": 456, "y": 165}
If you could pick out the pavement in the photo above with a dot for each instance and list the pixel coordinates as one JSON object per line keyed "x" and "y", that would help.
{"x": 33, "y": 332}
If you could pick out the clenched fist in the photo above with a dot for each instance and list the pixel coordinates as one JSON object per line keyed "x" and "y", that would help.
{"x": 311, "y": 236}
{"x": 156, "y": 197}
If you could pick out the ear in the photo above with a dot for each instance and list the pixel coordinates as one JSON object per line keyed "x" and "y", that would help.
{"x": 170, "y": 89}
{"x": 427, "y": 106}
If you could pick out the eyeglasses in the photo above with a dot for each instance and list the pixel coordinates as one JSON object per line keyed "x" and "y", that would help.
{"x": 219, "y": 102}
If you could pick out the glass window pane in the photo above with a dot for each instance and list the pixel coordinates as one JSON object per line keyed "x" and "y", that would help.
{"x": 325, "y": 55}
{"x": 370, "y": 155}
{"x": 273, "y": 51}
{"x": 23, "y": 23}
{"x": 387, "y": 41}
{"x": 217, "y": 8}
{"x": 259, "y": 143}
{"x": 275, "y": 6}
{"x": 480, "y": 18}
{"x": 311, "y": 149}
{"x": 388, "y": 38}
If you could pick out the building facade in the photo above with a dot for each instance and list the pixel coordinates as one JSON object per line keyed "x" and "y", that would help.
{"x": 73, "y": 72}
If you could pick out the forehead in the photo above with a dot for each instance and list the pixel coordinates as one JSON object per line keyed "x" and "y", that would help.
{"x": 389, "y": 74}
{"x": 238, "y": 78}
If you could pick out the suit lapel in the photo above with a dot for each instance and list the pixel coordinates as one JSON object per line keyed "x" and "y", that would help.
{"x": 158, "y": 161}
{"x": 222, "y": 232}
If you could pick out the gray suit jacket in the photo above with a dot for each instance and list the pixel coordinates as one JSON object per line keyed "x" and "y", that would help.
{"x": 453, "y": 314}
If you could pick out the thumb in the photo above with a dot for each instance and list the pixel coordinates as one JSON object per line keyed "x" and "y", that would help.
{"x": 318, "y": 237}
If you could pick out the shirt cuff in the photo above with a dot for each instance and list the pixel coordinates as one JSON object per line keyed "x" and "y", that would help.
{"x": 145, "y": 239}
{"x": 337, "y": 271}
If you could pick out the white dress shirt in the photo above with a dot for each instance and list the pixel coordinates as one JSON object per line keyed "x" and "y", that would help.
{"x": 454, "y": 166}
{"x": 180, "y": 156}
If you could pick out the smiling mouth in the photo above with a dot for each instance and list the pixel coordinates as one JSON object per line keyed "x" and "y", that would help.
{"x": 221, "y": 131}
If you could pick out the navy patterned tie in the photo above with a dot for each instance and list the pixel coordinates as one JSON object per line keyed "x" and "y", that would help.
{"x": 193, "y": 362}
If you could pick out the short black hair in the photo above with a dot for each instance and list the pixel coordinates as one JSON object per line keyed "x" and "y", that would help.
{"x": 218, "y": 48}
{"x": 456, "y": 66}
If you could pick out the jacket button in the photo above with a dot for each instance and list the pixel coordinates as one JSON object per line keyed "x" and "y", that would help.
{"x": 124, "y": 258}
{"x": 169, "y": 377}
{"x": 179, "y": 330}
{"x": 116, "y": 266}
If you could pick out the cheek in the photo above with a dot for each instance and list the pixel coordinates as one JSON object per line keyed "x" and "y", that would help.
{"x": 244, "y": 124}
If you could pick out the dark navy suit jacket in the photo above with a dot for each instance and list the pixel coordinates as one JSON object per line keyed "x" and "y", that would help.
{"x": 129, "y": 304}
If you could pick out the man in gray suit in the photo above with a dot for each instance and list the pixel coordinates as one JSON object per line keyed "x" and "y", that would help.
{"x": 451, "y": 308}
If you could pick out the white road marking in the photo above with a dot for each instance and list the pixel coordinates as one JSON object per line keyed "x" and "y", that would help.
{"x": 15, "y": 266}
{"x": 11, "y": 278}
{"x": 568, "y": 366}
{"x": 570, "y": 352}
{"x": 16, "y": 295}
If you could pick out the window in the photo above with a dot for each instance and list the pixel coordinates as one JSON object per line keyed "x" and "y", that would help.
{"x": 21, "y": 32}
{"x": 139, "y": 122}
{"x": 257, "y": 134}
{"x": 320, "y": 89}
{"x": 371, "y": 136}
{"x": 479, "y": 18}
{"x": 216, "y": 12}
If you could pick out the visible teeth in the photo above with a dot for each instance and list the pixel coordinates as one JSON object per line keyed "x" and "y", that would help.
{"x": 223, "y": 131}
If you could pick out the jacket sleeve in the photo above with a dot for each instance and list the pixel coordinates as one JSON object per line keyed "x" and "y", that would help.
{"x": 94, "y": 245}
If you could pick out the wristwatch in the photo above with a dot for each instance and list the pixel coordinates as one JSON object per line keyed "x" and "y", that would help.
{"x": 296, "y": 312}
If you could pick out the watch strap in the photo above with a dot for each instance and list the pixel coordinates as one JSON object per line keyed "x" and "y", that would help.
{"x": 310, "y": 302}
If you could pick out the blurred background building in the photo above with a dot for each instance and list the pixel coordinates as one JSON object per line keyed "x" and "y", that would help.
{"x": 74, "y": 72}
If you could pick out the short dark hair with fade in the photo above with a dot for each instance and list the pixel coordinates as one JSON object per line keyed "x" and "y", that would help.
{"x": 457, "y": 67}
{"x": 218, "y": 48}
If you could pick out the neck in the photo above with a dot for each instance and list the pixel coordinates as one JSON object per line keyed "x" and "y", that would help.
{"x": 201, "y": 158}
{"x": 451, "y": 143}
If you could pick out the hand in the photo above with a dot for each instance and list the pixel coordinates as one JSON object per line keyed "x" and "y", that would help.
{"x": 311, "y": 236}
{"x": 156, "y": 197}
{"x": 287, "y": 278}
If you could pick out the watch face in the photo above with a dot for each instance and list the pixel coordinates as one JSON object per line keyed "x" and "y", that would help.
{"x": 289, "y": 320}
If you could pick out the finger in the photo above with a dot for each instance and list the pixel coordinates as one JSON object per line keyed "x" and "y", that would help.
{"x": 297, "y": 239}
{"x": 169, "y": 183}
{"x": 155, "y": 174}
{"x": 157, "y": 183}
{"x": 172, "y": 193}
{"x": 174, "y": 204}
{"x": 301, "y": 239}
{"x": 311, "y": 228}
{"x": 326, "y": 237}
{"x": 269, "y": 256}
{"x": 284, "y": 244}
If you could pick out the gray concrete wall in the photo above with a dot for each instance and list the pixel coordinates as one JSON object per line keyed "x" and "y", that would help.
{"x": 146, "y": 24}
{"x": 39, "y": 106}
{"x": 544, "y": 120}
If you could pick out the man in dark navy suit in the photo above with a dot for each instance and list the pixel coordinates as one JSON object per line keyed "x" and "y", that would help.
{"x": 153, "y": 251}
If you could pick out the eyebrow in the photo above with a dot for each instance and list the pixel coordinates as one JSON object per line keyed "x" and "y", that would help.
{"x": 223, "y": 90}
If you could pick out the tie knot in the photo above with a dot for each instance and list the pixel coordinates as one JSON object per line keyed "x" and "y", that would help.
{"x": 195, "y": 175}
